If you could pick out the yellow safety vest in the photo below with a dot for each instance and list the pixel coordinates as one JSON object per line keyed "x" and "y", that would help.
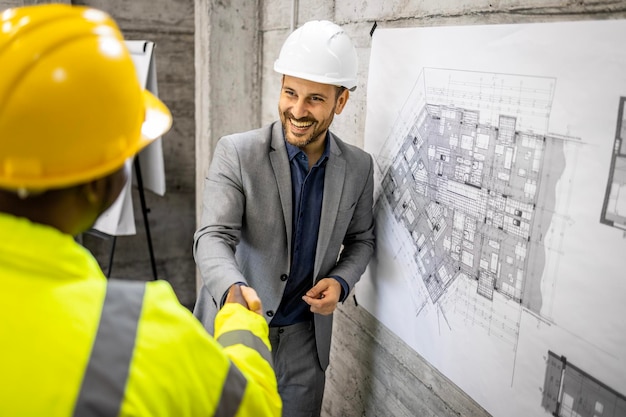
{"x": 73, "y": 344}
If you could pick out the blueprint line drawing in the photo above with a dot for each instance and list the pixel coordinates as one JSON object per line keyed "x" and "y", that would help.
{"x": 498, "y": 168}
{"x": 570, "y": 391}
{"x": 470, "y": 184}
{"x": 466, "y": 182}
{"x": 614, "y": 208}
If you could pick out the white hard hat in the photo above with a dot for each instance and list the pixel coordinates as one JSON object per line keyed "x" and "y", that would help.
{"x": 319, "y": 51}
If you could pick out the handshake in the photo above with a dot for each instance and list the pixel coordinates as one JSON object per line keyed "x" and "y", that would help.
{"x": 245, "y": 296}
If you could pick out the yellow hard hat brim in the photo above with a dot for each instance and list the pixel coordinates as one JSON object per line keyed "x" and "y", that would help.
{"x": 158, "y": 119}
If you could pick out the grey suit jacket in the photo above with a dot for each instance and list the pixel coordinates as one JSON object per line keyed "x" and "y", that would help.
{"x": 245, "y": 230}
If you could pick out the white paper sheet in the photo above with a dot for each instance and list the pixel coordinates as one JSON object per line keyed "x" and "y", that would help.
{"x": 494, "y": 149}
{"x": 119, "y": 219}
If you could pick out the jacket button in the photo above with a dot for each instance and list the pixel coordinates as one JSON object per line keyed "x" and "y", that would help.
{"x": 284, "y": 277}
{"x": 269, "y": 313}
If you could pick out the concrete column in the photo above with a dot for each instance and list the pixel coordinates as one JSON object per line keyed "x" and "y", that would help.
{"x": 227, "y": 96}
{"x": 227, "y": 75}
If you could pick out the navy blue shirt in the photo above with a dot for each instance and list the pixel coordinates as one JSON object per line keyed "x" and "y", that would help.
{"x": 308, "y": 192}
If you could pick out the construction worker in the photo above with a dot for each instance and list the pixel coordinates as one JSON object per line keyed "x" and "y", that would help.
{"x": 288, "y": 211}
{"x": 72, "y": 113}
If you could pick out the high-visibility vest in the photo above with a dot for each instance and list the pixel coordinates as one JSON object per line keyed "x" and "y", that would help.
{"x": 73, "y": 343}
{"x": 103, "y": 386}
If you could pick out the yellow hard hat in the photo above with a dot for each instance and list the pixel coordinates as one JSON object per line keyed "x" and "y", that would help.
{"x": 71, "y": 107}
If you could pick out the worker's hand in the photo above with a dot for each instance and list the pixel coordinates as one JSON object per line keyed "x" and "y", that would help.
{"x": 245, "y": 296}
{"x": 324, "y": 296}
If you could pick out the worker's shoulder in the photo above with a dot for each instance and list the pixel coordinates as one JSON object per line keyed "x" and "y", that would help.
{"x": 163, "y": 314}
{"x": 162, "y": 320}
{"x": 160, "y": 296}
{"x": 141, "y": 289}
{"x": 349, "y": 151}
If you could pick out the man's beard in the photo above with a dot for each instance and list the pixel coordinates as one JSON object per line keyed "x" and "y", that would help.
{"x": 318, "y": 132}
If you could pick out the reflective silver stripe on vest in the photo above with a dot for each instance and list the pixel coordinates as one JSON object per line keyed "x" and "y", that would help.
{"x": 235, "y": 384}
{"x": 104, "y": 383}
{"x": 232, "y": 393}
{"x": 247, "y": 338}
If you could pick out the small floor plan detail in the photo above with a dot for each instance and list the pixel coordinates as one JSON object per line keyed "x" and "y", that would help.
{"x": 569, "y": 391}
{"x": 614, "y": 207}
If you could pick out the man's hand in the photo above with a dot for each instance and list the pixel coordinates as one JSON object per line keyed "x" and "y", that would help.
{"x": 245, "y": 296}
{"x": 324, "y": 296}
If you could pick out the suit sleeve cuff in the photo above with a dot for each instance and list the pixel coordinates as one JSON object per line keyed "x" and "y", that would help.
{"x": 345, "y": 289}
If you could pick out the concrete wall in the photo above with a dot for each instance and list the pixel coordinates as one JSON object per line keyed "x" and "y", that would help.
{"x": 5, "y": 4}
{"x": 214, "y": 66}
{"x": 372, "y": 372}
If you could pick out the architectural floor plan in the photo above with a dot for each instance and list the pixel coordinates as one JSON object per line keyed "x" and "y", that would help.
{"x": 474, "y": 186}
{"x": 468, "y": 192}
{"x": 500, "y": 203}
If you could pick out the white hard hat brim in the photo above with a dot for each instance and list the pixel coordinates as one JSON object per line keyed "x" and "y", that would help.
{"x": 347, "y": 83}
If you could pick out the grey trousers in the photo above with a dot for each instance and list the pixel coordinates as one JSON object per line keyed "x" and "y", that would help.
{"x": 300, "y": 377}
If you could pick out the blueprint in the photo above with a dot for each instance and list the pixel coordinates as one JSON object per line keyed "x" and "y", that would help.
{"x": 500, "y": 205}
{"x": 614, "y": 209}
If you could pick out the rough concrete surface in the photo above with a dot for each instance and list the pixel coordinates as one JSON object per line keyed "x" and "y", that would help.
{"x": 215, "y": 71}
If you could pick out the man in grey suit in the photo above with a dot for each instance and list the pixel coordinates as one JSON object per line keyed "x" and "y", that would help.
{"x": 288, "y": 211}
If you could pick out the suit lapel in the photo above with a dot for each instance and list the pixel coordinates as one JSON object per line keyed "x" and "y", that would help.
{"x": 333, "y": 186}
{"x": 282, "y": 173}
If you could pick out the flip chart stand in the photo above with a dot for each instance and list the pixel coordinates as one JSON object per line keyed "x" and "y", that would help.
{"x": 119, "y": 219}
{"x": 144, "y": 211}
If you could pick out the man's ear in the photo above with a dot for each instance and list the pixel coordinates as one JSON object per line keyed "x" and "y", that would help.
{"x": 93, "y": 191}
{"x": 115, "y": 183}
{"x": 101, "y": 193}
{"x": 342, "y": 100}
